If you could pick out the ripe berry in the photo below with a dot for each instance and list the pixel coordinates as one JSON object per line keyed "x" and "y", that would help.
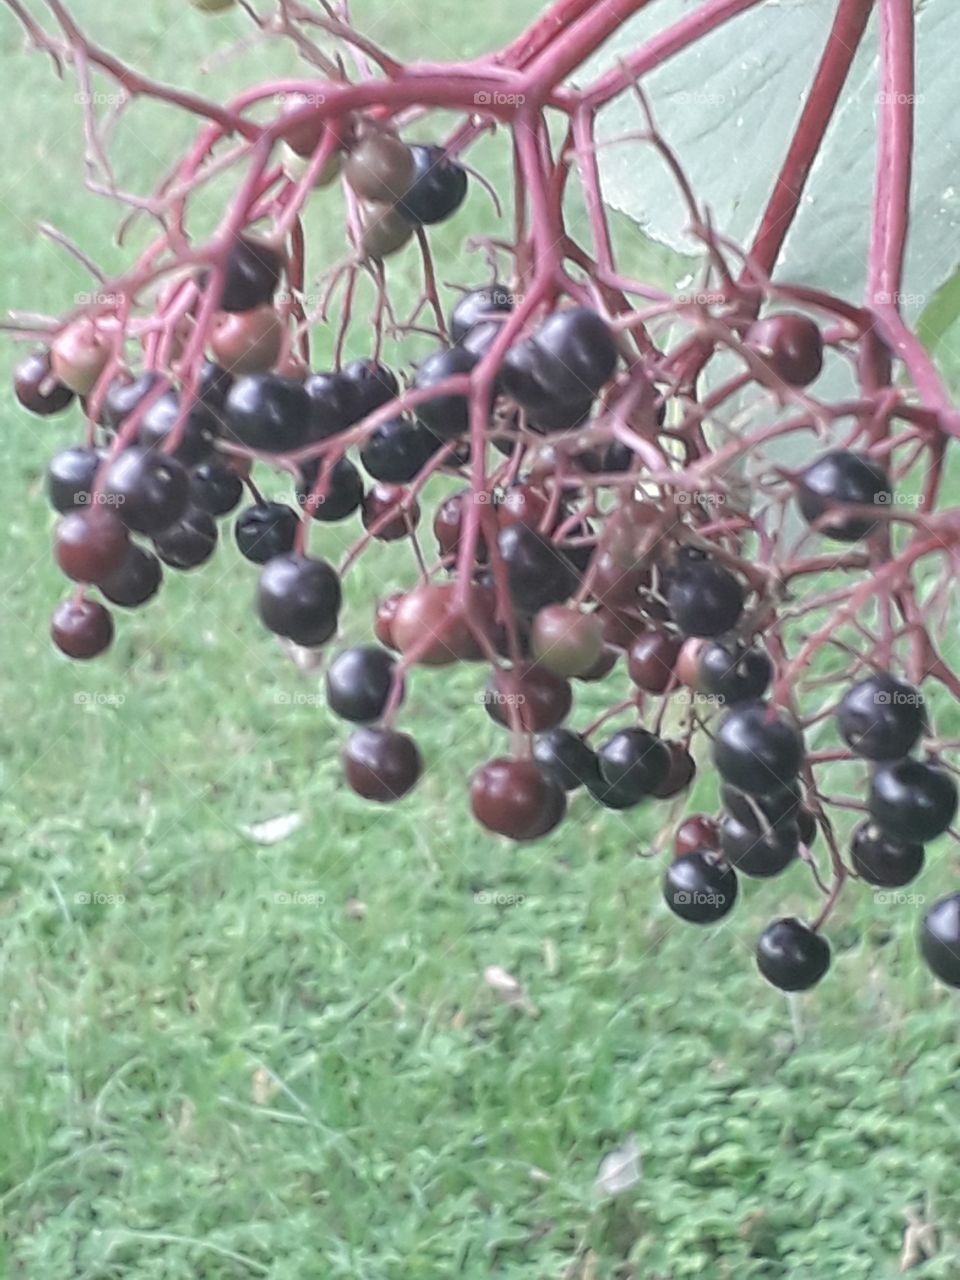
{"x": 37, "y": 389}
{"x": 136, "y": 581}
{"x": 381, "y": 764}
{"x": 759, "y": 812}
{"x": 532, "y": 378}
{"x": 566, "y": 758}
{"x": 331, "y": 404}
{"x": 696, "y": 833}
{"x": 700, "y": 887}
{"x": 515, "y": 798}
{"x": 705, "y": 599}
{"x": 299, "y": 597}
{"x": 91, "y": 544}
{"x": 197, "y": 433}
{"x": 881, "y": 718}
{"x": 397, "y": 451}
{"x": 448, "y": 525}
{"x": 389, "y": 513}
{"x": 940, "y": 939}
{"x": 380, "y": 167}
{"x": 790, "y": 345}
{"x": 633, "y": 764}
{"x": 215, "y": 487}
{"x": 579, "y": 350}
{"x": 602, "y": 667}
{"x": 149, "y": 489}
{"x": 265, "y": 530}
{"x": 542, "y": 699}
{"x": 759, "y": 853}
{"x": 383, "y": 619}
{"x": 213, "y": 385}
{"x": 538, "y": 573}
{"x": 385, "y": 232}
{"x": 359, "y": 681}
{"x": 680, "y": 774}
{"x": 252, "y": 275}
{"x": 190, "y": 542}
{"x": 884, "y": 862}
{"x": 268, "y": 413}
{"x": 70, "y": 477}
{"x": 81, "y": 628}
{"x": 477, "y": 307}
{"x": 910, "y": 800}
{"x": 428, "y": 620}
{"x": 732, "y": 674}
{"x": 332, "y": 495}
{"x": 446, "y": 415}
{"x": 125, "y": 394}
{"x": 651, "y": 660}
{"x": 566, "y": 641}
{"x": 248, "y": 341}
{"x": 757, "y": 749}
{"x": 522, "y": 504}
{"x": 791, "y": 956}
{"x": 367, "y": 387}
{"x": 438, "y": 188}
{"x": 78, "y": 356}
{"x": 840, "y": 479}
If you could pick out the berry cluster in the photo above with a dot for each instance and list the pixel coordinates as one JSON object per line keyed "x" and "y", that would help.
{"x": 602, "y": 468}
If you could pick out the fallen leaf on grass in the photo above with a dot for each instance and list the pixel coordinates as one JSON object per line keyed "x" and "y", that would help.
{"x": 620, "y": 1170}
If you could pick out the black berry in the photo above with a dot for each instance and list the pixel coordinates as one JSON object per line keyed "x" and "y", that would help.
{"x": 700, "y": 887}
{"x": 881, "y": 718}
{"x": 882, "y": 861}
{"x": 841, "y": 479}
{"x": 265, "y": 530}
{"x": 911, "y": 800}
{"x": 757, "y": 750}
{"x": 299, "y": 598}
{"x": 791, "y": 956}
{"x": 438, "y": 188}
{"x": 359, "y": 682}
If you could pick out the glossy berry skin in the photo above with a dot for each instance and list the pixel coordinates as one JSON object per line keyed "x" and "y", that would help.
{"x": 538, "y": 573}
{"x": 448, "y": 525}
{"x": 388, "y": 512}
{"x": 732, "y": 674}
{"x": 680, "y": 774}
{"x": 760, "y": 853}
{"x": 380, "y": 168}
{"x": 700, "y": 887}
{"x": 426, "y": 620}
{"x": 757, "y": 750}
{"x": 533, "y": 379}
{"x": 149, "y": 489}
{"x": 791, "y": 956}
{"x": 90, "y": 544}
{"x": 790, "y": 345}
{"x": 384, "y": 615}
{"x": 516, "y": 799}
{"x": 634, "y": 763}
{"x": 881, "y": 718}
{"x": 565, "y": 757}
{"x": 334, "y": 497}
{"x": 266, "y": 412}
{"x": 331, "y": 404}
{"x": 698, "y": 832}
{"x": 651, "y": 660}
{"x": 384, "y": 232}
{"x": 252, "y": 275}
{"x": 438, "y": 189}
{"x": 299, "y": 598}
{"x": 197, "y": 436}
{"x": 81, "y": 629}
{"x": 758, "y": 812}
{"x": 940, "y": 939}
{"x": 266, "y": 529}
{"x": 70, "y": 477}
{"x": 368, "y": 386}
{"x": 838, "y": 479}
{"x": 580, "y": 352}
{"x": 446, "y": 415}
{"x": 213, "y": 386}
{"x": 190, "y": 542}
{"x": 136, "y": 581}
{"x": 36, "y": 388}
{"x": 215, "y": 487}
{"x": 911, "y": 800}
{"x": 248, "y": 342}
{"x": 566, "y": 641}
{"x": 540, "y": 698}
{"x": 381, "y": 764}
{"x": 397, "y": 451}
{"x": 705, "y": 599}
{"x": 124, "y": 395}
{"x": 359, "y": 681}
{"x": 883, "y": 862}
{"x": 476, "y": 307}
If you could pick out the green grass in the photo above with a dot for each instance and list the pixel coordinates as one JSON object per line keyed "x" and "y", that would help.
{"x": 203, "y": 1079}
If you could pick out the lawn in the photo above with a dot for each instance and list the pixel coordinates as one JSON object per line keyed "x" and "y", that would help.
{"x": 226, "y": 1059}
